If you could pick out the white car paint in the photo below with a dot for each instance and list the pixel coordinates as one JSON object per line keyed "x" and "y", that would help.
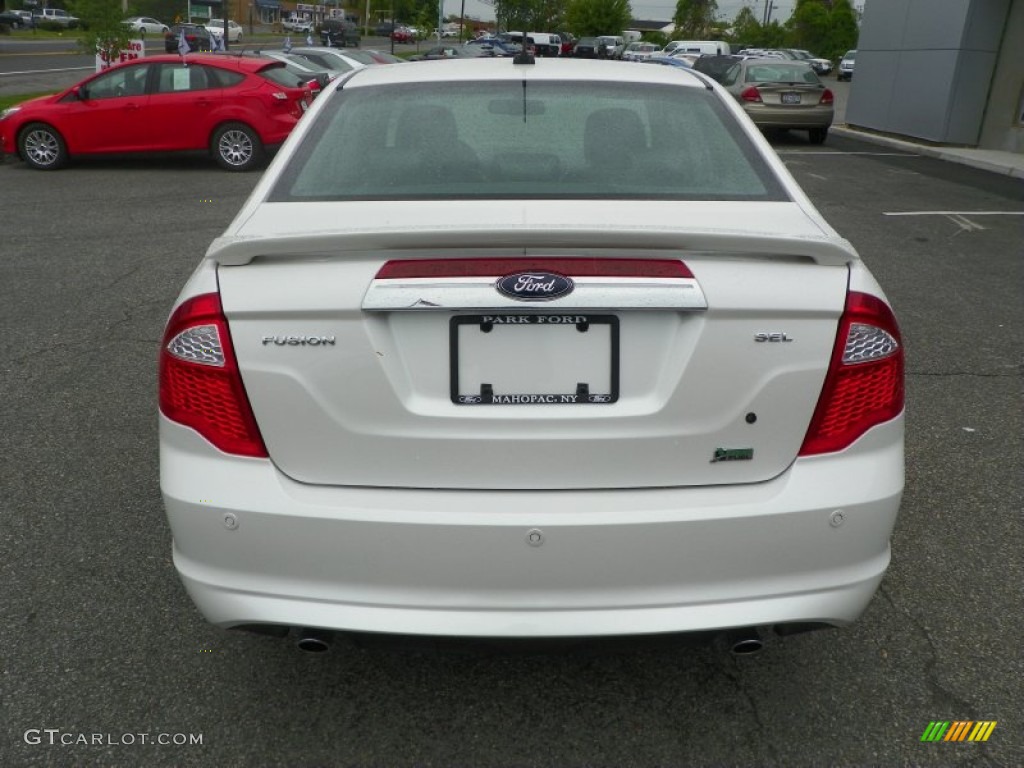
{"x": 382, "y": 505}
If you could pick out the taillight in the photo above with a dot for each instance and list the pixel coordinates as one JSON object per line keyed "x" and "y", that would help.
{"x": 751, "y": 94}
{"x": 827, "y": 97}
{"x": 200, "y": 385}
{"x": 864, "y": 384}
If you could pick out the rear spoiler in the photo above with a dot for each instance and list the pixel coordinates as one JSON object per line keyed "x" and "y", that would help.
{"x": 469, "y": 241}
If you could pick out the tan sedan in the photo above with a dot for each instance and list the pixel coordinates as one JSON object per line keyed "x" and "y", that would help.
{"x": 777, "y": 93}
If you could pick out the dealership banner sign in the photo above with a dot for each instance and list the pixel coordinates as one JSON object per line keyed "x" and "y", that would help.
{"x": 104, "y": 59}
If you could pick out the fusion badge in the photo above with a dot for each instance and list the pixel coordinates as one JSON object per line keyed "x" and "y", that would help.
{"x": 534, "y": 286}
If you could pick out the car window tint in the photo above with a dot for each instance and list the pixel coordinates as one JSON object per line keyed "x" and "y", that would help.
{"x": 123, "y": 81}
{"x": 327, "y": 61}
{"x": 224, "y": 78}
{"x": 573, "y": 140}
{"x": 281, "y": 76}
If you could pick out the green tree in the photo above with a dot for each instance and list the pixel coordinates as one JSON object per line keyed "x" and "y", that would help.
{"x": 104, "y": 32}
{"x": 530, "y": 15}
{"x": 598, "y": 17}
{"x": 809, "y": 25}
{"x": 746, "y": 29}
{"x": 695, "y": 19}
{"x": 843, "y": 31}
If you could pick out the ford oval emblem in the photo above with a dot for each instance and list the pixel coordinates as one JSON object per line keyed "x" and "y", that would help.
{"x": 534, "y": 286}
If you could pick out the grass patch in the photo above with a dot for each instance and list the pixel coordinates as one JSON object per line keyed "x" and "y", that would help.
{"x": 10, "y": 101}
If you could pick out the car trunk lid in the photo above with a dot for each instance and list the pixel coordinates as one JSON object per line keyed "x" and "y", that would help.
{"x": 360, "y": 373}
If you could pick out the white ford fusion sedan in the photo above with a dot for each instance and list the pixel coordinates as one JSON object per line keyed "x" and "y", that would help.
{"x": 534, "y": 350}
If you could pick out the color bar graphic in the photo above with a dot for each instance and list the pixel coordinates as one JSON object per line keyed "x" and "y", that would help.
{"x": 958, "y": 730}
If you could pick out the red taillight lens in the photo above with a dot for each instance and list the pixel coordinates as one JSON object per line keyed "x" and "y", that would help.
{"x": 827, "y": 97}
{"x": 751, "y": 94}
{"x": 200, "y": 386}
{"x": 864, "y": 384}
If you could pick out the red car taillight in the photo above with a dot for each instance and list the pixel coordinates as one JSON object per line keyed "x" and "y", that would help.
{"x": 751, "y": 94}
{"x": 200, "y": 385}
{"x": 827, "y": 97}
{"x": 864, "y": 384}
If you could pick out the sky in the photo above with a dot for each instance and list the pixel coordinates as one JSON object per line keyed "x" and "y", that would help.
{"x": 648, "y": 10}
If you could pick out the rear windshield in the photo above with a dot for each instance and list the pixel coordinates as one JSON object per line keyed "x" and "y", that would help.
{"x": 278, "y": 73}
{"x": 516, "y": 140}
{"x": 781, "y": 72}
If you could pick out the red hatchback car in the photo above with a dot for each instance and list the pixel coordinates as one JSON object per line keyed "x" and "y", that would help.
{"x": 234, "y": 107}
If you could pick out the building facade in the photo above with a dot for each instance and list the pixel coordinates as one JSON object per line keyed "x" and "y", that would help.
{"x": 947, "y": 71}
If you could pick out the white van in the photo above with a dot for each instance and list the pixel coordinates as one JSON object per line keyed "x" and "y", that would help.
{"x": 545, "y": 44}
{"x": 698, "y": 47}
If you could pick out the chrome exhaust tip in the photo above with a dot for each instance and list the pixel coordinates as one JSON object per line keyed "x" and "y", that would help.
{"x": 743, "y": 642}
{"x": 314, "y": 641}
{"x": 747, "y": 646}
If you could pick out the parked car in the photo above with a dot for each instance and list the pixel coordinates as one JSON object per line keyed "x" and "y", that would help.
{"x": 716, "y": 66}
{"x": 499, "y": 46}
{"x": 610, "y": 47}
{"x": 297, "y": 24}
{"x": 506, "y": 351}
{"x": 845, "y": 71}
{"x": 340, "y": 61}
{"x": 779, "y": 93}
{"x": 11, "y": 20}
{"x": 586, "y": 48}
{"x": 545, "y": 44}
{"x": 639, "y": 50}
{"x": 404, "y": 35}
{"x": 568, "y": 42}
{"x": 146, "y": 25}
{"x": 197, "y": 36}
{"x": 233, "y": 107}
{"x": 384, "y": 29}
{"x": 699, "y": 47}
{"x": 820, "y": 65}
{"x": 448, "y": 51}
{"x": 216, "y": 29}
{"x": 54, "y": 17}
{"x": 306, "y": 70}
{"x": 341, "y": 33}
{"x": 668, "y": 61}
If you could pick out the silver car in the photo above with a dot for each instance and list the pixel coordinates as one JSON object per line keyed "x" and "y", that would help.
{"x": 846, "y": 64}
{"x": 508, "y": 349}
{"x": 782, "y": 94}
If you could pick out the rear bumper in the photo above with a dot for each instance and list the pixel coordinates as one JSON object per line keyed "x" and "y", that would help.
{"x": 252, "y": 546}
{"x": 792, "y": 117}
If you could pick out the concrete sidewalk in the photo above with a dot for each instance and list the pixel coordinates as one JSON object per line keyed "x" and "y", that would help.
{"x": 1005, "y": 163}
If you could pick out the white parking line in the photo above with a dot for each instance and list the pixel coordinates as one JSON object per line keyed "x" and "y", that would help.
{"x": 953, "y": 213}
{"x": 957, "y": 217}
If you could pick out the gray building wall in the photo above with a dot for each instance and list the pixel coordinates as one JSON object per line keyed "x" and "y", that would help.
{"x": 927, "y": 69}
{"x": 1003, "y": 124}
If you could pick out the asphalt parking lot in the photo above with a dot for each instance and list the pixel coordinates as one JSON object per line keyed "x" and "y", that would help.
{"x": 104, "y": 655}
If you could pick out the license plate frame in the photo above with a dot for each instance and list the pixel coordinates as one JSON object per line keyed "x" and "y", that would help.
{"x": 472, "y": 392}
{"x": 791, "y": 98}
